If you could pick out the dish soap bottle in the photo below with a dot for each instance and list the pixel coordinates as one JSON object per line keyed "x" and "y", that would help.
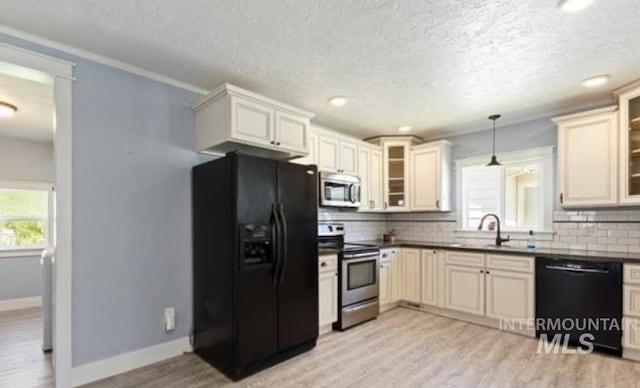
{"x": 531, "y": 241}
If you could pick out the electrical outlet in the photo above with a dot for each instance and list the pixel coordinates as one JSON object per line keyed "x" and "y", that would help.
{"x": 169, "y": 319}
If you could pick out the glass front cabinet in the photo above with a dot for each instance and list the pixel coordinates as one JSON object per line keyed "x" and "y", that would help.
{"x": 395, "y": 155}
{"x": 629, "y": 106}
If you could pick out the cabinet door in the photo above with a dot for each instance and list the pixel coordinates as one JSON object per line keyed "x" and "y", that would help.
{"x": 376, "y": 191}
{"x": 509, "y": 295}
{"x": 412, "y": 273}
{"x": 428, "y": 280}
{"x": 312, "y": 157}
{"x": 587, "y": 161}
{"x": 465, "y": 289}
{"x": 292, "y": 132}
{"x": 396, "y": 175}
{"x": 252, "y": 122}
{"x": 328, "y": 298}
{"x": 364, "y": 172}
{"x": 630, "y": 147}
{"x": 396, "y": 275}
{"x": 425, "y": 179}
{"x": 385, "y": 283}
{"x": 348, "y": 158}
{"x": 328, "y": 154}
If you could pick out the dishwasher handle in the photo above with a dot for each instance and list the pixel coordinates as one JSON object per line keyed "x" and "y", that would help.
{"x": 570, "y": 269}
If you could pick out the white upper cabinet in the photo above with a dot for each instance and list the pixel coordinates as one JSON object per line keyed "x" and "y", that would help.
{"x": 251, "y": 121}
{"x": 430, "y": 177}
{"x": 312, "y": 156}
{"x": 348, "y": 158}
{"x": 292, "y": 132}
{"x": 364, "y": 172}
{"x": 230, "y": 118}
{"x": 629, "y": 102}
{"x": 588, "y": 158}
{"x": 328, "y": 153}
{"x": 376, "y": 187}
{"x": 370, "y": 173}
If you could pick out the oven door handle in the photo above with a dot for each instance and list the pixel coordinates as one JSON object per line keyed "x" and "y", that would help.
{"x": 363, "y": 258}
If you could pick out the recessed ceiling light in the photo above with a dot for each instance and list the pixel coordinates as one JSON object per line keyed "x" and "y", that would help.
{"x": 404, "y": 128}
{"x": 7, "y": 109}
{"x": 596, "y": 81}
{"x": 338, "y": 101}
{"x": 571, "y": 6}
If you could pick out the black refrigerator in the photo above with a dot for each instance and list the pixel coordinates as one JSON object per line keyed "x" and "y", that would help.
{"x": 255, "y": 262}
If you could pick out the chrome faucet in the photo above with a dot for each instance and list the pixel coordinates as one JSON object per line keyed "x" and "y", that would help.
{"x": 499, "y": 239}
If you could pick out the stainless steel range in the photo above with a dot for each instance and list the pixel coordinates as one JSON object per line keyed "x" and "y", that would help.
{"x": 358, "y": 273}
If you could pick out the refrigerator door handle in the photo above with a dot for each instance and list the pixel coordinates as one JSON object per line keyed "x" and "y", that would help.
{"x": 275, "y": 242}
{"x": 283, "y": 247}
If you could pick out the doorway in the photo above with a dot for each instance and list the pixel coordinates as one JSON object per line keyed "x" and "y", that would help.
{"x": 35, "y": 131}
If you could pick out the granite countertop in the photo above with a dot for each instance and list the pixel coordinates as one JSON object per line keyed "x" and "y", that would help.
{"x": 539, "y": 252}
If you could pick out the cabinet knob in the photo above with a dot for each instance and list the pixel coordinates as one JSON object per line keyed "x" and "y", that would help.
{"x": 561, "y": 198}
{"x": 481, "y": 271}
{"x": 278, "y": 143}
{"x": 273, "y": 142}
{"x": 323, "y": 264}
{"x": 438, "y": 203}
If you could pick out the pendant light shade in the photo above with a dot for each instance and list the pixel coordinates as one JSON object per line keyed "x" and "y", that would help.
{"x": 494, "y": 160}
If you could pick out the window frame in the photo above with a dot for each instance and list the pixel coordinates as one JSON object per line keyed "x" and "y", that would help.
{"x": 49, "y": 222}
{"x": 544, "y": 156}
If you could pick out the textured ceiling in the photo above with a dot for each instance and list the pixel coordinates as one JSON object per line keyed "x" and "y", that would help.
{"x": 437, "y": 65}
{"x": 34, "y": 119}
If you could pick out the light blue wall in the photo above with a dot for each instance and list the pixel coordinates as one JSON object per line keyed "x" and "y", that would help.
{"x": 133, "y": 142}
{"x": 531, "y": 134}
{"x": 19, "y": 277}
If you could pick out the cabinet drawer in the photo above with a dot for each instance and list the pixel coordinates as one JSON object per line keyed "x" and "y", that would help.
{"x": 327, "y": 263}
{"x": 631, "y": 333}
{"x": 631, "y": 300}
{"x": 465, "y": 258}
{"x": 631, "y": 274}
{"x": 510, "y": 263}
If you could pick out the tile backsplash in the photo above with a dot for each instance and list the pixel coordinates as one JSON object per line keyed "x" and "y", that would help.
{"x": 599, "y": 230}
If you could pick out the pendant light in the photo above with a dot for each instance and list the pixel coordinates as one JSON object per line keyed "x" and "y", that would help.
{"x": 494, "y": 161}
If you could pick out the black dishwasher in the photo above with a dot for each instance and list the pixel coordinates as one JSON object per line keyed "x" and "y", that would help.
{"x": 574, "y": 297}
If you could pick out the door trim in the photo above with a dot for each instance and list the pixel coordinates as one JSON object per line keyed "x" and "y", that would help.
{"x": 58, "y": 73}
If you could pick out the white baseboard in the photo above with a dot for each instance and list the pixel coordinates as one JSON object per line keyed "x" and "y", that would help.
{"x": 102, "y": 369}
{"x": 21, "y": 303}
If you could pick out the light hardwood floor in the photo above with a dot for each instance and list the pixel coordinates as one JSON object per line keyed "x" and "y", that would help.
{"x": 22, "y": 362}
{"x": 406, "y": 348}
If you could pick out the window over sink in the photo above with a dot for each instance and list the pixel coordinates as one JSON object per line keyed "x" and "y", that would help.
{"x": 520, "y": 191}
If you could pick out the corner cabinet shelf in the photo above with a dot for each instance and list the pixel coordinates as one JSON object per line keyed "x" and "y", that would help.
{"x": 629, "y": 184}
{"x": 230, "y": 118}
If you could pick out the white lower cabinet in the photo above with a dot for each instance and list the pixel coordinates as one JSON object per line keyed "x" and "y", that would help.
{"x": 385, "y": 284}
{"x": 501, "y": 289}
{"x": 631, "y": 308}
{"x": 396, "y": 275}
{"x": 429, "y": 277}
{"x": 327, "y": 290}
{"x": 411, "y": 275}
{"x": 509, "y": 295}
{"x": 465, "y": 289}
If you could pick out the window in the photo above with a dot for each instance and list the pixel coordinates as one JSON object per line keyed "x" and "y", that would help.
{"x": 519, "y": 191}
{"x": 24, "y": 216}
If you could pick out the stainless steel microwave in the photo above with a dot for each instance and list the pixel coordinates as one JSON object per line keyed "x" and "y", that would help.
{"x": 339, "y": 190}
